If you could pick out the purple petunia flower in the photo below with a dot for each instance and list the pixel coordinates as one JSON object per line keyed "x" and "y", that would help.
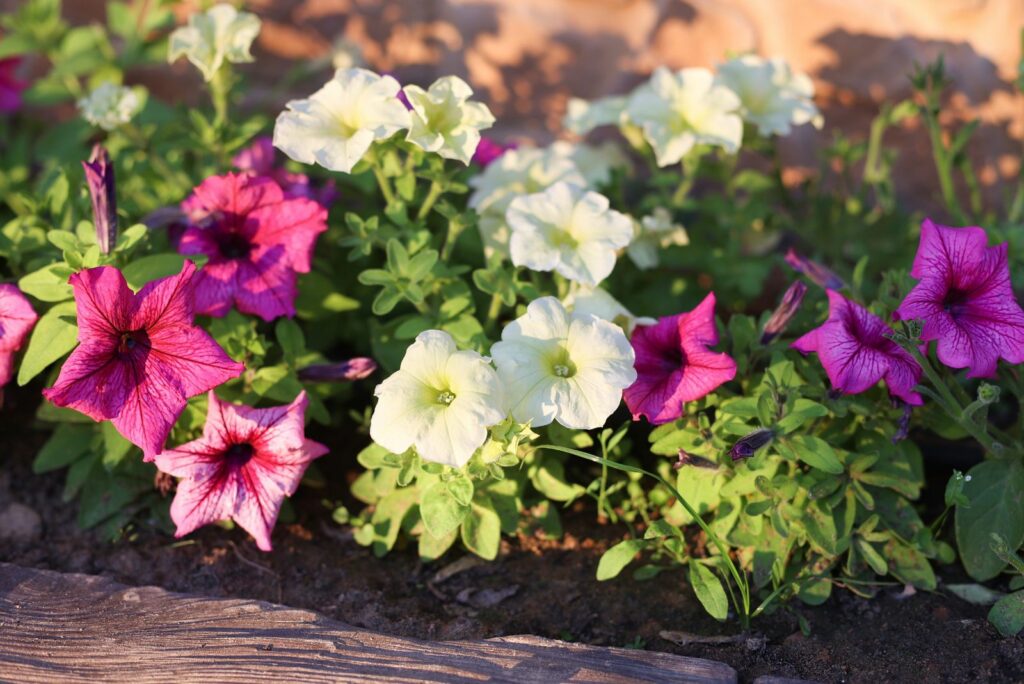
{"x": 489, "y": 150}
{"x": 856, "y": 354}
{"x": 11, "y": 86}
{"x": 965, "y": 300}
{"x": 139, "y": 357}
{"x": 245, "y": 464}
{"x": 258, "y": 239}
{"x": 16, "y": 321}
{"x": 674, "y": 364}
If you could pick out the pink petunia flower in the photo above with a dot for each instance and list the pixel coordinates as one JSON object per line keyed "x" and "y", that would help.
{"x": 856, "y": 354}
{"x": 257, "y": 239}
{"x": 16, "y": 321}
{"x": 674, "y": 364}
{"x": 489, "y": 150}
{"x": 965, "y": 300}
{"x": 247, "y": 461}
{"x": 139, "y": 356}
{"x": 11, "y": 86}
{"x": 258, "y": 159}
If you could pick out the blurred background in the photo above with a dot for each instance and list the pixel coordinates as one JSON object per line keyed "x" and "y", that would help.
{"x": 527, "y": 57}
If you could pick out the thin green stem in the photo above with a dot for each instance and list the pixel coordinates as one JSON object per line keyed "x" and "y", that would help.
{"x": 384, "y": 184}
{"x": 493, "y": 311}
{"x": 428, "y": 203}
{"x": 743, "y": 608}
{"x": 220, "y": 85}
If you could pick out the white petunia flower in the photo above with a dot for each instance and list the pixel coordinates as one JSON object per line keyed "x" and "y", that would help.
{"x": 346, "y": 54}
{"x": 111, "y": 105}
{"x": 677, "y": 111}
{"x": 773, "y": 97}
{"x": 567, "y": 230}
{"x": 583, "y": 116}
{"x": 562, "y": 367}
{"x": 596, "y": 163}
{"x": 441, "y": 401}
{"x": 521, "y": 171}
{"x": 595, "y": 301}
{"x": 654, "y": 233}
{"x": 444, "y": 121}
{"x": 220, "y": 34}
{"x": 336, "y": 125}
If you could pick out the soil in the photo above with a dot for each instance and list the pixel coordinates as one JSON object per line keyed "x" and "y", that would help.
{"x": 546, "y": 588}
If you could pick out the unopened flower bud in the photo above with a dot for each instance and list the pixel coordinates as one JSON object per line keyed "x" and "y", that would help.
{"x": 903, "y": 426}
{"x": 988, "y": 394}
{"x": 99, "y": 176}
{"x": 784, "y": 313}
{"x": 346, "y": 371}
{"x": 749, "y": 445}
{"x": 820, "y": 275}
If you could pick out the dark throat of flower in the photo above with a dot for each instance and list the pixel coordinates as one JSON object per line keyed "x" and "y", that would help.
{"x": 237, "y": 455}
{"x": 133, "y": 340}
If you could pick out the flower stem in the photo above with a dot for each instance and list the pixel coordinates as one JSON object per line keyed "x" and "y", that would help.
{"x": 384, "y": 183}
{"x": 428, "y": 203}
{"x": 491, "y": 322}
{"x": 219, "y": 87}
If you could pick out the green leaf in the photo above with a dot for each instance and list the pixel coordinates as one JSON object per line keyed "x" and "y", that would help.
{"x": 481, "y": 530}
{"x": 549, "y": 479}
{"x": 48, "y": 284}
{"x": 54, "y": 336}
{"x": 289, "y": 336}
{"x": 1007, "y": 615}
{"x": 115, "y": 447}
{"x": 66, "y": 445}
{"x": 803, "y": 411}
{"x": 873, "y": 558}
{"x": 708, "y": 588}
{"x": 149, "y": 268}
{"x": 441, "y": 511}
{"x": 618, "y": 557}
{"x": 431, "y": 548}
{"x": 978, "y": 594}
{"x": 995, "y": 490}
{"x": 815, "y": 452}
{"x": 661, "y": 528}
{"x": 461, "y": 488}
{"x": 909, "y": 565}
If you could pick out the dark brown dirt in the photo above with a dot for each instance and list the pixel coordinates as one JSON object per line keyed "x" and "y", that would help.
{"x": 535, "y": 587}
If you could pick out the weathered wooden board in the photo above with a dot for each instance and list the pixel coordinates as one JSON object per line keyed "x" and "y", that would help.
{"x": 78, "y": 628}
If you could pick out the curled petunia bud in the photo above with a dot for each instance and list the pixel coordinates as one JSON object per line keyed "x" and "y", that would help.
{"x": 346, "y": 371}
{"x": 784, "y": 313}
{"x": 903, "y": 426}
{"x": 688, "y": 459}
{"x": 820, "y": 275}
{"x": 749, "y": 445}
{"x": 99, "y": 176}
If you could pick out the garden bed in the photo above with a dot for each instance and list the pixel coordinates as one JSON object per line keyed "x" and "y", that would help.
{"x": 542, "y": 588}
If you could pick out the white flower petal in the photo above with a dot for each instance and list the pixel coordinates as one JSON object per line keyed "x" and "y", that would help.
{"x": 220, "y": 34}
{"x": 443, "y": 120}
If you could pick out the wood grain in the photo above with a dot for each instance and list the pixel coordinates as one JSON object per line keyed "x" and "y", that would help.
{"x": 78, "y": 628}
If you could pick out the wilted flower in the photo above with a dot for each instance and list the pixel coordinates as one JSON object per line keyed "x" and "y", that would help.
{"x": 567, "y": 368}
{"x": 110, "y": 105}
{"x": 258, "y": 158}
{"x": 749, "y": 445}
{"x": 345, "y": 371}
{"x": 16, "y": 321}
{"x": 489, "y": 150}
{"x": 567, "y": 230}
{"x": 965, "y": 300}
{"x": 257, "y": 239}
{"x": 652, "y": 234}
{"x": 784, "y": 313}
{"x": 11, "y": 86}
{"x": 856, "y": 353}
{"x": 585, "y": 300}
{"x": 677, "y": 111}
{"x": 522, "y": 171}
{"x": 818, "y": 274}
{"x": 583, "y": 116}
{"x": 221, "y": 34}
{"x": 444, "y": 120}
{"x": 242, "y": 468}
{"x": 99, "y": 176}
{"x": 674, "y": 364}
{"x": 140, "y": 356}
{"x": 441, "y": 401}
{"x": 773, "y": 97}
{"x": 336, "y": 125}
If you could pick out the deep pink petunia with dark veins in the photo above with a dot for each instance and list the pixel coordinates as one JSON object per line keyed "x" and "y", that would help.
{"x": 11, "y": 86}
{"x": 965, "y": 300}
{"x": 856, "y": 354}
{"x": 258, "y": 158}
{"x": 247, "y": 461}
{"x": 257, "y": 239}
{"x": 139, "y": 356}
{"x": 16, "y": 321}
{"x": 674, "y": 364}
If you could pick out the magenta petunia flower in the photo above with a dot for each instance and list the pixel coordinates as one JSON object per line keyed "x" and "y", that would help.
{"x": 489, "y": 150}
{"x": 257, "y": 239}
{"x": 247, "y": 461}
{"x": 139, "y": 356}
{"x": 674, "y": 364}
{"x": 856, "y": 354}
{"x": 11, "y": 86}
{"x": 16, "y": 321}
{"x": 965, "y": 300}
{"x": 258, "y": 158}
